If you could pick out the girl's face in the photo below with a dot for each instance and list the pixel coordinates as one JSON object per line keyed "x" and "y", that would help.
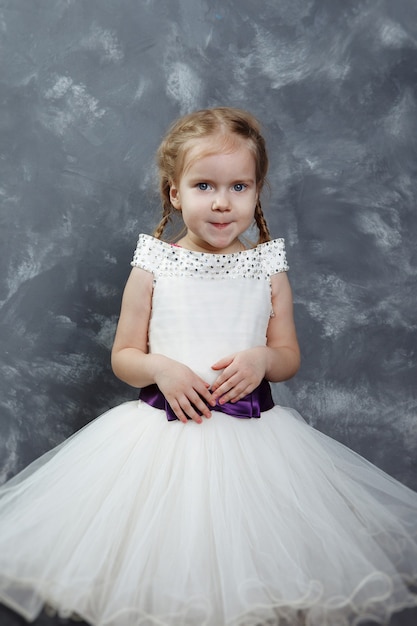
{"x": 217, "y": 194}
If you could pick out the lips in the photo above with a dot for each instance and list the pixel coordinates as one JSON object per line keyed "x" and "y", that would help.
{"x": 220, "y": 225}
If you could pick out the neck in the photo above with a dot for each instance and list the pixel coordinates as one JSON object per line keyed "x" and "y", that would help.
{"x": 185, "y": 242}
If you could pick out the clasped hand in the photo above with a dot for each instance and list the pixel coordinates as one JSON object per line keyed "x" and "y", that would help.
{"x": 189, "y": 395}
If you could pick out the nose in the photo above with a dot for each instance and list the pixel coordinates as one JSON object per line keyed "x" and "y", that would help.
{"x": 221, "y": 202}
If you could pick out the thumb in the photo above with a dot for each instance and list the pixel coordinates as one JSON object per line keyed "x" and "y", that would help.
{"x": 224, "y": 362}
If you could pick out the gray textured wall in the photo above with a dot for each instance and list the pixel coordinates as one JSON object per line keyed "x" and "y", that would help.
{"x": 88, "y": 88}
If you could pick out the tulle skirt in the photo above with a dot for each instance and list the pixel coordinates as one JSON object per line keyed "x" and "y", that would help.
{"x": 137, "y": 521}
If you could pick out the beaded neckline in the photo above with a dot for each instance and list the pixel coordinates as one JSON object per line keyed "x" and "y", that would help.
{"x": 148, "y": 238}
{"x": 164, "y": 259}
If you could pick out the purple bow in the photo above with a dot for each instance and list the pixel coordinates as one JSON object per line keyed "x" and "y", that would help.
{"x": 252, "y": 405}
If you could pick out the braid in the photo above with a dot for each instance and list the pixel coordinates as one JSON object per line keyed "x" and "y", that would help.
{"x": 264, "y": 234}
{"x": 167, "y": 208}
{"x": 166, "y": 217}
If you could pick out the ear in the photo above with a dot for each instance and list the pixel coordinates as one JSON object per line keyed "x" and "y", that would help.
{"x": 174, "y": 196}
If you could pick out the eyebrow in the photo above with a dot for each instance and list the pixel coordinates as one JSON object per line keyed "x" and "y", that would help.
{"x": 207, "y": 179}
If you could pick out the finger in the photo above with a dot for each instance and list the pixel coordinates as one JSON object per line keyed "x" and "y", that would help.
{"x": 223, "y": 379}
{"x": 194, "y": 406}
{"x": 190, "y": 411}
{"x": 197, "y": 403}
{"x": 203, "y": 394}
{"x": 203, "y": 389}
{"x": 243, "y": 393}
{"x": 179, "y": 414}
{"x": 225, "y": 386}
{"x": 236, "y": 393}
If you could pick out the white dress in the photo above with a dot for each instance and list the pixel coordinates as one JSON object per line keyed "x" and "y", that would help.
{"x": 137, "y": 520}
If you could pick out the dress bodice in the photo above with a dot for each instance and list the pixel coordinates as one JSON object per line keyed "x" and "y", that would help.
{"x": 206, "y": 306}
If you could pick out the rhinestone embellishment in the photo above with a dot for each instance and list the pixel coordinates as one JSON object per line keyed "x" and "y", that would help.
{"x": 164, "y": 259}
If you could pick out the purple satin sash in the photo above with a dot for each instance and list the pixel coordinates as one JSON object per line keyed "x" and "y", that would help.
{"x": 251, "y": 405}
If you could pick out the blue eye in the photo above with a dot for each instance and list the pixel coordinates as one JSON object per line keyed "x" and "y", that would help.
{"x": 203, "y": 186}
{"x": 239, "y": 187}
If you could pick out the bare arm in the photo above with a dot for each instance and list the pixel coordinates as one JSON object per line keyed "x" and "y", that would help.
{"x": 277, "y": 361}
{"x": 133, "y": 364}
{"x": 284, "y": 352}
{"x": 130, "y": 345}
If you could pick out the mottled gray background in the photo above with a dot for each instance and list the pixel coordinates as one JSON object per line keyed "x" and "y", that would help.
{"x": 87, "y": 89}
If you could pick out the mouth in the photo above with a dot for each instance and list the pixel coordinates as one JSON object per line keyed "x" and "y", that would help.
{"x": 220, "y": 225}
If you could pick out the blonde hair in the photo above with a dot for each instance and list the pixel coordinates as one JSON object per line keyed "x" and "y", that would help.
{"x": 228, "y": 122}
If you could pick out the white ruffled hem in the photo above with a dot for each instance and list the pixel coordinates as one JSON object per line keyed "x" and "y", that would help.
{"x": 135, "y": 520}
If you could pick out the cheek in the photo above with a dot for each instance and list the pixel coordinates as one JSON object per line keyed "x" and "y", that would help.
{"x": 252, "y": 206}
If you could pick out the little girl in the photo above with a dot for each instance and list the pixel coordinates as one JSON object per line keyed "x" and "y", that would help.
{"x": 183, "y": 508}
